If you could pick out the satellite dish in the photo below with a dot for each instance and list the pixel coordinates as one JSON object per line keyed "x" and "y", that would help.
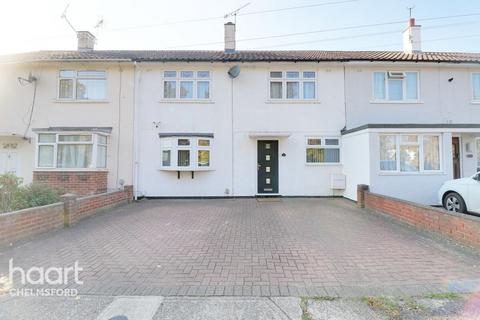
{"x": 234, "y": 71}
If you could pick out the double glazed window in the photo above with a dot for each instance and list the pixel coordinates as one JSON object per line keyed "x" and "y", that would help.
{"x": 323, "y": 150}
{"x": 395, "y": 86}
{"x": 476, "y": 86}
{"x": 293, "y": 85}
{"x": 82, "y": 85}
{"x": 478, "y": 153}
{"x": 72, "y": 151}
{"x": 186, "y": 152}
{"x": 186, "y": 85}
{"x": 410, "y": 153}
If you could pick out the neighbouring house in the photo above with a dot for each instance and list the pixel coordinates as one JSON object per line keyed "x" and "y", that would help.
{"x": 238, "y": 123}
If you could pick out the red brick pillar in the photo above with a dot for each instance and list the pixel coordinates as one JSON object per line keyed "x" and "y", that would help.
{"x": 70, "y": 208}
{"x": 361, "y": 189}
{"x": 129, "y": 191}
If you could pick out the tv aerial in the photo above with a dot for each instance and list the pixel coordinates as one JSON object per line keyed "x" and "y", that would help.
{"x": 235, "y": 12}
{"x": 64, "y": 16}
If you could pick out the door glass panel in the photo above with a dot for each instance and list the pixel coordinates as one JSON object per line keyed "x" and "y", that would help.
{"x": 267, "y": 169}
{"x": 267, "y": 157}
{"x": 267, "y": 180}
{"x": 267, "y": 146}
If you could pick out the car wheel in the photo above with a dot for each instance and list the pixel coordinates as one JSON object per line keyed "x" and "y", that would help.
{"x": 454, "y": 202}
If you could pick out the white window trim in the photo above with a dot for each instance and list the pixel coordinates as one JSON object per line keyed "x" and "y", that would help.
{"x": 74, "y": 98}
{"x": 193, "y": 148}
{"x": 195, "y": 79}
{"x": 420, "y": 144}
{"x": 472, "y": 88}
{"x": 284, "y": 81}
{"x": 404, "y": 88}
{"x": 323, "y": 146}
{"x": 94, "y": 143}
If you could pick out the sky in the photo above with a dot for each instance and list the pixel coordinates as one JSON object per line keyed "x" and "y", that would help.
{"x": 29, "y": 25}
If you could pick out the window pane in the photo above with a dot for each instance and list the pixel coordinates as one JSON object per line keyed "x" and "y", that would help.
{"x": 183, "y": 158}
{"x": 411, "y": 138}
{"x": 275, "y": 74}
{"x": 309, "y": 74}
{"x": 90, "y": 89}
{"x": 68, "y": 73}
{"x": 409, "y": 161}
{"x": 186, "y": 89}
{"x": 314, "y": 142}
{"x": 395, "y": 90}
{"x": 412, "y": 92}
{"x": 170, "y": 74}
{"x": 275, "y": 90}
{"x": 476, "y": 86}
{"x": 331, "y": 142}
{"x": 203, "y": 74}
{"x": 293, "y": 90}
{"x": 203, "y": 142}
{"x": 379, "y": 85}
{"x": 101, "y": 139}
{"x": 203, "y": 90}
{"x": 75, "y": 138}
{"x": 332, "y": 155}
{"x": 388, "y": 153}
{"x": 431, "y": 153}
{"x": 65, "y": 90}
{"x": 186, "y": 74}
{"x": 74, "y": 155}
{"x": 166, "y": 158}
{"x": 203, "y": 158}
{"x": 101, "y": 156}
{"x": 293, "y": 74}
{"x": 45, "y": 156}
{"x": 308, "y": 90}
{"x": 91, "y": 74}
{"x": 315, "y": 155}
{"x": 169, "y": 89}
{"x": 46, "y": 137}
{"x": 183, "y": 142}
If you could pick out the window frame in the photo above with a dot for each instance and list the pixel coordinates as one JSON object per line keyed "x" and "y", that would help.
{"x": 93, "y": 142}
{"x": 171, "y": 144}
{"x": 421, "y": 153}
{"x": 195, "y": 79}
{"x": 323, "y": 145}
{"x": 473, "y": 74}
{"x": 74, "y": 87}
{"x": 477, "y": 151}
{"x": 404, "y": 87}
{"x": 284, "y": 80}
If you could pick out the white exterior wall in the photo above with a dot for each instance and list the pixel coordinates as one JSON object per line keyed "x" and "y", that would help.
{"x": 116, "y": 112}
{"x": 356, "y": 150}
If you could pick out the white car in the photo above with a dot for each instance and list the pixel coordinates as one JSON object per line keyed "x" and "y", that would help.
{"x": 461, "y": 195}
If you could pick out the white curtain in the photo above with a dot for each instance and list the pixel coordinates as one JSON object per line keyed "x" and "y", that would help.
{"x": 412, "y": 85}
{"x": 309, "y": 90}
{"x": 431, "y": 153}
{"x": 275, "y": 90}
{"x": 74, "y": 155}
{"x": 379, "y": 85}
{"x": 388, "y": 153}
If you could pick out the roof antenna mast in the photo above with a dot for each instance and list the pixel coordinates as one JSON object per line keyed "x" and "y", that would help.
{"x": 410, "y": 9}
{"x": 235, "y": 12}
{"x": 64, "y": 16}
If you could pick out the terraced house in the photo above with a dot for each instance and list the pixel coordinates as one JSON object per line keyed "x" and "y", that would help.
{"x": 236, "y": 123}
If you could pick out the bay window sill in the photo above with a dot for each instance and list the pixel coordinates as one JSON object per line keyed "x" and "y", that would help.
{"x": 103, "y": 101}
{"x": 186, "y": 101}
{"x": 71, "y": 169}
{"x": 395, "y": 102}
{"x": 425, "y": 173}
{"x": 270, "y": 101}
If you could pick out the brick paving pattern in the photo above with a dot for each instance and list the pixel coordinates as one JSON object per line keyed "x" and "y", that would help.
{"x": 242, "y": 247}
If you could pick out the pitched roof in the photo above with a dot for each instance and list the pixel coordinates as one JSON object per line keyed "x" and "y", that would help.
{"x": 240, "y": 56}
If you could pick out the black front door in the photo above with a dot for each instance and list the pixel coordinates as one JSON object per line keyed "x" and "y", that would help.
{"x": 267, "y": 166}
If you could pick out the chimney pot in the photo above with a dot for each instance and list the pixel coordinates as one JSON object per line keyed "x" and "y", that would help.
{"x": 229, "y": 37}
{"x": 86, "y": 41}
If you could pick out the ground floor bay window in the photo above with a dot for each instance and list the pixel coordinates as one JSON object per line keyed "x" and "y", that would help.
{"x": 410, "y": 153}
{"x": 71, "y": 151}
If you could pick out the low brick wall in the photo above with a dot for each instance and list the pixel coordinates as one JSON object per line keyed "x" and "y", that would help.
{"x": 455, "y": 226}
{"x": 26, "y": 223}
{"x": 77, "y": 182}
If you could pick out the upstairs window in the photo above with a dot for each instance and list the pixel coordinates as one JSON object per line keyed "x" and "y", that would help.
{"x": 395, "y": 86}
{"x": 476, "y": 86}
{"x": 292, "y": 85}
{"x": 186, "y": 85}
{"x": 190, "y": 153}
{"x": 323, "y": 150}
{"x": 82, "y": 85}
{"x": 72, "y": 151}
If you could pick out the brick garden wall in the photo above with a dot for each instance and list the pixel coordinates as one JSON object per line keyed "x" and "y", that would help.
{"x": 77, "y": 182}
{"x": 26, "y": 223}
{"x": 455, "y": 226}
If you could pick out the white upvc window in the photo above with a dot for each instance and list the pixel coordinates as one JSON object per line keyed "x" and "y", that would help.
{"x": 292, "y": 85}
{"x": 477, "y": 145}
{"x": 186, "y": 153}
{"x": 410, "y": 153}
{"x": 396, "y": 86}
{"x": 322, "y": 150}
{"x": 82, "y": 85}
{"x": 71, "y": 151}
{"x": 476, "y": 86}
{"x": 186, "y": 85}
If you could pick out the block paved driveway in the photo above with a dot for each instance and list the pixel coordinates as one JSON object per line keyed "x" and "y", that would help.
{"x": 245, "y": 247}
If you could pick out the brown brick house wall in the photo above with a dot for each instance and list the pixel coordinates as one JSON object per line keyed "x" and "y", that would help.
{"x": 77, "y": 182}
